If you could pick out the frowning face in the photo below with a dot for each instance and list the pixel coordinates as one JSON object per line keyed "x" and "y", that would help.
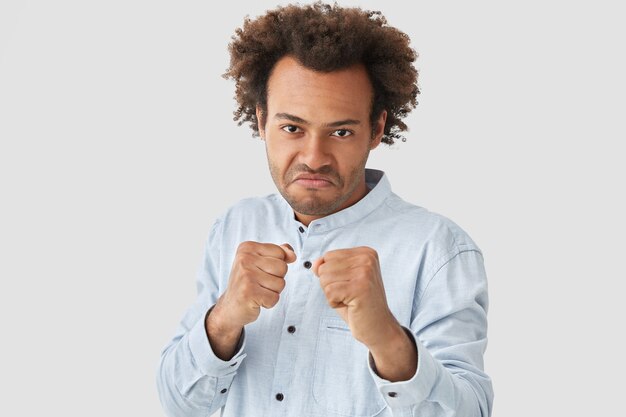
{"x": 318, "y": 136}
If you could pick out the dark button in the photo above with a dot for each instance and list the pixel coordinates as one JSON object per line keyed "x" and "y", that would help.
{"x": 301, "y": 229}
{"x": 279, "y": 396}
{"x": 223, "y": 391}
{"x": 392, "y": 394}
{"x": 307, "y": 264}
{"x": 233, "y": 364}
{"x": 291, "y": 329}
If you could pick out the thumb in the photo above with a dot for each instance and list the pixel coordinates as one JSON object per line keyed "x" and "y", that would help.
{"x": 290, "y": 255}
{"x": 316, "y": 264}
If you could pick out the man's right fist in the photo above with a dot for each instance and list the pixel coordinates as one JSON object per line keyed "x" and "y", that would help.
{"x": 256, "y": 280}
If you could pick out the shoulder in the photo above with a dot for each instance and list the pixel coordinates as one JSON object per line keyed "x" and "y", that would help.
{"x": 255, "y": 206}
{"x": 440, "y": 233}
{"x": 252, "y": 210}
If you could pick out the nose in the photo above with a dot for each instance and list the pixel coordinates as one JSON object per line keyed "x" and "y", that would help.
{"x": 315, "y": 152}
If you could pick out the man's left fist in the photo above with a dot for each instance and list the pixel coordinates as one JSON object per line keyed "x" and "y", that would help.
{"x": 353, "y": 285}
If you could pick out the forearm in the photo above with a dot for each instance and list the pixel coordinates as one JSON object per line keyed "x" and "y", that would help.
{"x": 395, "y": 359}
{"x": 435, "y": 386}
{"x": 183, "y": 389}
{"x": 222, "y": 336}
{"x": 191, "y": 379}
{"x": 450, "y": 335}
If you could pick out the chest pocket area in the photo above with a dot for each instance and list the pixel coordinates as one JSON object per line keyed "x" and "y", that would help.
{"x": 342, "y": 384}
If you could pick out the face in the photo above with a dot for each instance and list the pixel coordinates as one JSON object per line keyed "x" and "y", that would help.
{"x": 318, "y": 136}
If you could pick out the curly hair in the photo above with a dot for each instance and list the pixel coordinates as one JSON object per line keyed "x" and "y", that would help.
{"x": 325, "y": 38}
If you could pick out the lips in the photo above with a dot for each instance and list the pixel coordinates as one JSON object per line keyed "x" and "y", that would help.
{"x": 313, "y": 178}
{"x": 313, "y": 181}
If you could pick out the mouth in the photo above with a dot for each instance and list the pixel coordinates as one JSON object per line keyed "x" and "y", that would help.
{"x": 313, "y": 181}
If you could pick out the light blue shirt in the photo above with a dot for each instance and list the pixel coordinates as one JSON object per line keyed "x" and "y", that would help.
{"x": 299, "y": 358}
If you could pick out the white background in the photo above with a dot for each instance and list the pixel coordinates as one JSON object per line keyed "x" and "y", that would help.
{"x": 118, "y": 150}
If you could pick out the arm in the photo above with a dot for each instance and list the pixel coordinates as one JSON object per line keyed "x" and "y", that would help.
{"x": 396, "y": 358}
{"x": 191, "y": 379}
{"x": 449, "y": 332}
{"x": 198, "y": 366}
{"x": 222, "y": 337}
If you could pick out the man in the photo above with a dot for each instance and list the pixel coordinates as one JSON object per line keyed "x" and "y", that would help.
{"x": 334, "y": 297}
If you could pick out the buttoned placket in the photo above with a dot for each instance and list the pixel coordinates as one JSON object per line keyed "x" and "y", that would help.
{"x": 300, "y": 277}
{"x": 303, "y": 291}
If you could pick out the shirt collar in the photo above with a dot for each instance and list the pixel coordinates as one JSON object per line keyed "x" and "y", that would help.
{"x": 380, "y": 189}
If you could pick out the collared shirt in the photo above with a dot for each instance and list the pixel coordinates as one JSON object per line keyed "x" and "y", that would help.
{"x": 299, "y": 358}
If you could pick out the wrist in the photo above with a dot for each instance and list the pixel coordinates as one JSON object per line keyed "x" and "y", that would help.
{"x": 216, "y": 324}
{"x": 388, "y": 343}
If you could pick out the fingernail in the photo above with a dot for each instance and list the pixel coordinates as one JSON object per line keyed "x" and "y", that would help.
{"x": 289, "y": 246}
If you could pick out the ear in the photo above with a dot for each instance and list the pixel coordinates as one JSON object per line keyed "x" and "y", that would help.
{"x": 260, "y": 119}
{"x": 379, "y": 130}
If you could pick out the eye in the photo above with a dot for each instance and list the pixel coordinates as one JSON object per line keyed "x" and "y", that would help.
{"x": 290, "y": 128}
{"x": 342, "y": 133}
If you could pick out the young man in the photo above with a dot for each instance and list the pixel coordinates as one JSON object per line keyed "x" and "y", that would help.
{"x": 333, "y": 297}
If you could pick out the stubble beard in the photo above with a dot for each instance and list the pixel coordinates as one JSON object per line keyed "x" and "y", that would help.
{"x": 313, "y": 204}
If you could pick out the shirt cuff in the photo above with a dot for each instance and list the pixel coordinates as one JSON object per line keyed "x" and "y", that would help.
{"x": 413, "y": 391}
{"x": 203, "y": 354}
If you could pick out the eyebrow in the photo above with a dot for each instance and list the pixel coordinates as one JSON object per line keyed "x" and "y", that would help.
{"x": 297, "y": 119}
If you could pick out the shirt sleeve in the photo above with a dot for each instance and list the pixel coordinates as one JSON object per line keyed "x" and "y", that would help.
{"x": 191, "y": 379}
{"x": 450, "y": 334}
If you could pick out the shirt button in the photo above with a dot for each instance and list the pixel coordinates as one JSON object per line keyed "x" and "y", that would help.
{"x": 280, "y": 396}
{"x": 291, "y": 329}
{"x": 233, "y": 364}
{"x": 392, "y": 394}
{"x": 223, "y": 391}
{"x": 307, "y": 264}
{"x": 301, "y": 229}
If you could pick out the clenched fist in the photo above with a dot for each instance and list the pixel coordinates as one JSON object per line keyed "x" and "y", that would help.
{"x": 353, "y": 285}
{"x": 256, "y": 280}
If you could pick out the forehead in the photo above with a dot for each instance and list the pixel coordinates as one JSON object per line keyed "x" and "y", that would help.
{"x": 316, "y": 95}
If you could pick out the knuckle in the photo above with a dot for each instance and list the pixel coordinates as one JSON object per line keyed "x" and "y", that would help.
{"x": 370, "y": 261}
{"x": 247, "y": 289}
{"x": 246, "y": 246}
{"x": 328, "y": 291}
{"x": 361, "y": 284}
{"x": 244, "y": 258}
{"x": 370, "y": 252}
{"x": 361, "y": 272}
{"x": 280, "y": 268}
{"x": 246, "y": 275}
{"x": 273, "y": 299}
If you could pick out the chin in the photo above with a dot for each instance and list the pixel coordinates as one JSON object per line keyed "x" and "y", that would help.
{"x": 314, "y": 206}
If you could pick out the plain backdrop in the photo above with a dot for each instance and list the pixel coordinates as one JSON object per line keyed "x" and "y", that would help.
{"x": 118, "y": 150}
